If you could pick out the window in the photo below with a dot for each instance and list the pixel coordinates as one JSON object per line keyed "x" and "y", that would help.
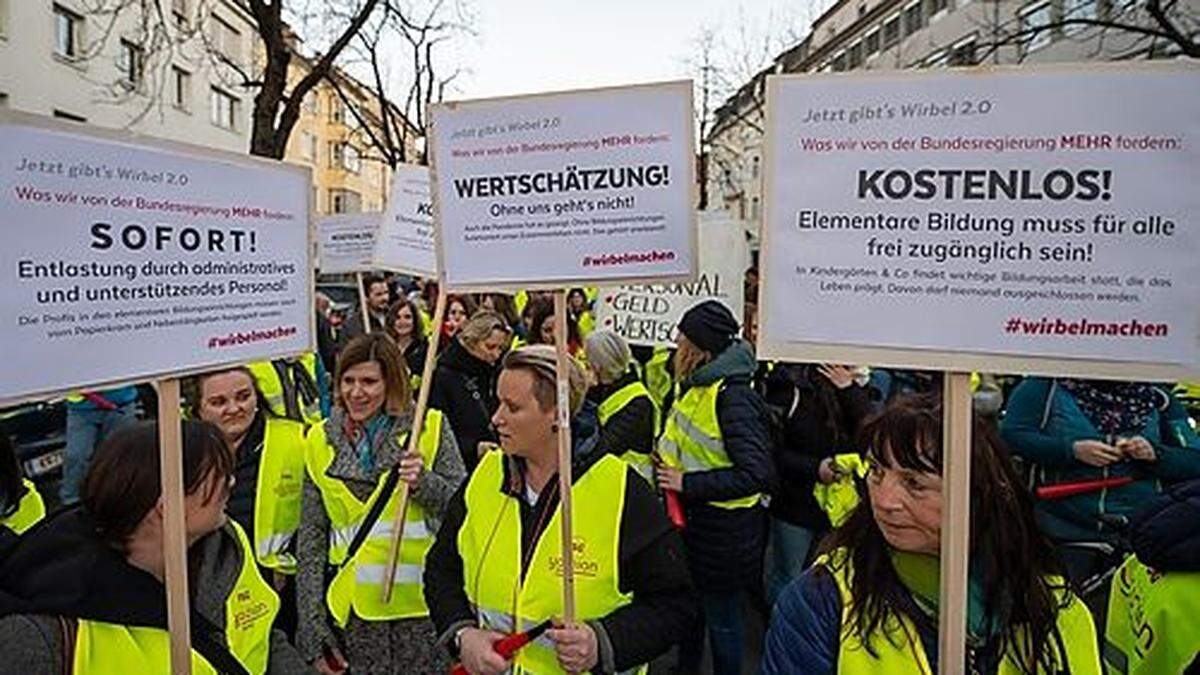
{"x": 1031, "y": 17}
{"x": 891, "y": 31}
{"x": 854, "y": 56}
{"x": 962, "y": 53}
{"x": 871, "y": 43}
{"x": 351, "y": 159}
{"x": 754, "y": 208}
{"x": 224, "y": 109}
{"x": 1078, "y": 9}
{"x": 755, "y": 163}
{"x": 226, "y": 39}
{"x": 66, "y": 32}
{"x": 344, "y": 201}
{"x": 132, "y": 63}
{"x": 70, "y": 117}
{"x": 936, "y": 7}
{"x": 914, "y": 18}
{"x": 310, "y": 102}
{"x": 336, "y": 112}
{"x": 335, "y": 154}
{"x": 183, "y": 88}
{"x": 839, "y": 62}
{"x": 938, "y": 59}
{"x": 308, "y": 146}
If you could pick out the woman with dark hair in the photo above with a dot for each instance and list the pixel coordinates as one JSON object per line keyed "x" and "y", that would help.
{"x": 459, "y": 309}
{"x": 870, "y": 602}
{"x": 407, "y": 327}
{"x": 21, "y": 506}
{"x": 580, "y": 311}
{"x": 541, "y": 327}
{"x": 502, "y": 304}
{"x": 354, "y": 463}
{"x": 85, "y": 591}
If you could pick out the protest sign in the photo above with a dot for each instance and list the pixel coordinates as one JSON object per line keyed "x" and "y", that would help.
{"x": 646, "y": 314}
{"x": 406, "y": 242}
{"x": 346, "y": 242}
{"x": 552, "y": 190}
{"x": 128, "y": 260}
{"x": 1021, "y": 220}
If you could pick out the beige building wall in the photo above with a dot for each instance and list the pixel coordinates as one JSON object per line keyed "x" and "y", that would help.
{"x": 56, "y": 59}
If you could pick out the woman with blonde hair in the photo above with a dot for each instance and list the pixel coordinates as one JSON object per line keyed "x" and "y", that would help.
{"x": 354, "y": 463}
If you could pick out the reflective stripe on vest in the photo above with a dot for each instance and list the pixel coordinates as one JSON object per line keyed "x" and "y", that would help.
{"x": 358, "y": 584}
{"x": 277, "y": 495}
{"x": 614, "y": 404}
{"x": 267, "y": 378}
{"x": 899, "y": 651}
{"x": 1152, "y": 625}
{"x": 692, "y": 439}
{"x": 249, "y": 614}
{"x": 489, "y": 542}
{"x": 30, "y": 511}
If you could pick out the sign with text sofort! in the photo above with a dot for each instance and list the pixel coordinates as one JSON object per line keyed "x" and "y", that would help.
{"x": 647, "y": 314}
{"x": 556, "y": 189}
{"x": 1020, "y": 220}
{"x": 406, "y": 242}
{"x": 129, "y": 260}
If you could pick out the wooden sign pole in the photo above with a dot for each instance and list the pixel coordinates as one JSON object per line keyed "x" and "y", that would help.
{"x": 564, "y": 454}
{"x": 174, "y": 529}
{"x": 414, "y": 436}
{"x": 956, "y": 521}
{"x": 363, "y": 305}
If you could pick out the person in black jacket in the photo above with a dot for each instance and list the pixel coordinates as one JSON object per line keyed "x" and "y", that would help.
{"x": 821, "y": 407}
{"x": 513, "y": 499}
{"x": 715, "y": 452}
{"x": 464, "y": 382}
{"x": 627, "y": 414}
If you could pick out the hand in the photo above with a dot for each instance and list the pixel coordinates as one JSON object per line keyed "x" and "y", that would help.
{"x": 576, "y": 647}
{"x": 334, "y": 654}
{"x": 828, "y": 472}
{"x": 1095, "y": 453}
{"x": 411, "y": 468}
{"x": 839, "y": 376}
{"x": 1137, "y": 448}
{"x": 669, "y": 478}
{"x": 478, "y": 657}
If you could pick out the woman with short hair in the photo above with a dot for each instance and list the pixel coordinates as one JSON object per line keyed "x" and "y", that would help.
{"x": 354, "y": 463}
{"x": 870, "y": 602}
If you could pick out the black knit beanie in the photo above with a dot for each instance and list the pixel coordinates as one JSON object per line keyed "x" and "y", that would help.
{"x": 710, "y": 326}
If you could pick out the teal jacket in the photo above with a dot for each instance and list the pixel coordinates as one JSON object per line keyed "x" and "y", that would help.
{"x": 1042, "y": 423}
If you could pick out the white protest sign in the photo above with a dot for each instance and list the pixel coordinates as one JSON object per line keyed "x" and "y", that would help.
{"x": 406, "y": 242}
{"x": 568, "y": 188}
{"x": 129, "y": 260}
{"x": 1022, "y": 220}
{"x": 346, "y": 242}
{"x": 647, "y": 314}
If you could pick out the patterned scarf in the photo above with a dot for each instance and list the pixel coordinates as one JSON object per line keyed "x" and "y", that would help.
{"x": 366, "y": 438}
{"x": 1114, "y": 407}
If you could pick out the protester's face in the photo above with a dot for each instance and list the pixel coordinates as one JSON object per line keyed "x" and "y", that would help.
{"x": 488, "y": 302}
{"x": 547, "y": 331}
{"x": 403, "y": 324}
{"x": 377, "y": 296}
{"x": 520, "y": 422}
{"x": 228, "y": 401}
{"x": 204, "y": 508}
{"x": 489, "y": 350}
{"x": 907, "y": 505}
{"x": 363, "y": 390}
{"x": 577, "y": 302}
{"x": 456, "y": 316}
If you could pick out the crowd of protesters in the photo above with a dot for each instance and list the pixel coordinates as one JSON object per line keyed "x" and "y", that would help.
{"x": 712, "y": 491}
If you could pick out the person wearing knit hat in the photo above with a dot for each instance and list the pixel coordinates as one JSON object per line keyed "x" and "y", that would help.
{"x": 714, "y": 452}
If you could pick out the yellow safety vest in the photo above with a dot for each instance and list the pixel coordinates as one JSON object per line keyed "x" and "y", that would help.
{"x": 1152, "y": 621}
{"x": 489, "y": 542}
{"x": 103, "y": 648}
{"x": 271, "y": 387}
{"x": 30, "y": 511}
{"x": 898, "y": 649}
{"x": 615, "y": 403}
{"x": 657, "y": 378}
{"x": 692, "y": 440}
{"x": 839, "y": 499}
{"x": 277, "y": 495}
{"x": 586, "y": 323}
{"x": 358, "y": 584}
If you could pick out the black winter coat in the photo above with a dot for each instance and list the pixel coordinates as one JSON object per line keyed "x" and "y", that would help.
{"x": 725, "y": 546}
{"x": 464, "y": 389}
{"x": 632, "y": 428}
{"x": 806, "y": 438}
{"x": 1166, "y": 533}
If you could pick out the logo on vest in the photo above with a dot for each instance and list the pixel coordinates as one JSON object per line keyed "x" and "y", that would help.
{"x": 248, "y": 611}
{"x": 583, "y": 566}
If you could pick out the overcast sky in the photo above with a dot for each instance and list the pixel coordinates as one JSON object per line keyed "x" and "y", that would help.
{"x": 544, "y": 45}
